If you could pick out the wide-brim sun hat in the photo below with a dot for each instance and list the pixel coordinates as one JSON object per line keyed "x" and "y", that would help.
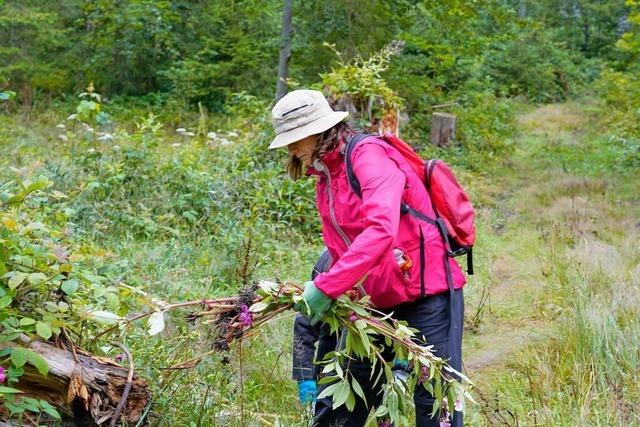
{"x": 302, "y": 113}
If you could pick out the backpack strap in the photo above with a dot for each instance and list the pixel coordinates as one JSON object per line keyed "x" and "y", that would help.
{"x": 352, "y": 142}
{"x": 351, "y": 176}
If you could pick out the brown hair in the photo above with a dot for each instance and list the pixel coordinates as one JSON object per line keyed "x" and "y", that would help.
{"x": 327, "y": 141}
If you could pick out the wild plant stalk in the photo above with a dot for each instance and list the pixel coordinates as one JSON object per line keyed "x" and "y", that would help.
{"x": 365, "y": 331}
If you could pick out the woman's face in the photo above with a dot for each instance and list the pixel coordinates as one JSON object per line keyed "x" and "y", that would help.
{"x": 303, "y": 150}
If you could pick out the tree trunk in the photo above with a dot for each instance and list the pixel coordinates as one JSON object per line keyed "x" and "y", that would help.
{"x": 443, "y": 129}
{"x": 285, "y": 50}
{"x": 522, "y": 9}
{"x": 83, "y": 387}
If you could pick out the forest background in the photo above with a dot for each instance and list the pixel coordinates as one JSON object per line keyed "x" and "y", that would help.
{"x": 133, "y": 142}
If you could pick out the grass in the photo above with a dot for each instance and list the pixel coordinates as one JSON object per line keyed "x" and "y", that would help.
{"x": 580, "y": 223}
{"x": 552, "y": 313}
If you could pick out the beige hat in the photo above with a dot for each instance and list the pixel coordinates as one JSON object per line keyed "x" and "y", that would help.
{"x": 301, "y": 113}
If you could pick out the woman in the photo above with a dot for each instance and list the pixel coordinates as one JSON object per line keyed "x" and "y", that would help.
{"x": 395, "y": 258}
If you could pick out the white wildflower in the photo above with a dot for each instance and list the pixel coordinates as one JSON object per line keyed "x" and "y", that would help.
{"x": 190, "y": 134}
{"x": 116, "y": 147}
{"x": 224, "y": 141}
{"x": 91, "y": 150}
{"x": 181, "y": 130}
{"x": 63, "y": 138}
{"x": 212, "y": 135}
{"x": 60, "y": 126}
{"x": 232, "y": 134}
{"x": 177, "y": 144}
{"x": 72, "y": 117}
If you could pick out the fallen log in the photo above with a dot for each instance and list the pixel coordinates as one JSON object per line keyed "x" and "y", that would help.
{"x": 86, "y": 389}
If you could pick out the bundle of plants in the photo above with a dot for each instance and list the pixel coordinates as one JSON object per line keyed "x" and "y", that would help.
{"x": 365, "y": 332}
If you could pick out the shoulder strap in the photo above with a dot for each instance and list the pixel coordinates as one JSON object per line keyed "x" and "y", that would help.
{"x": 351, "y": 176}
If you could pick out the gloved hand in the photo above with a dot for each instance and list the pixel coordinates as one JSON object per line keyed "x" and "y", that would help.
{"x": 401, "y": 370}
{"x": 307, "y": 391}
{"x": 317, "y": 303}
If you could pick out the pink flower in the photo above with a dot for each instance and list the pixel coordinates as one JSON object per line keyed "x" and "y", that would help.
{"x": 3, "y": 374}
{"x": 445, "y": 424}
{"x": 353, "y": 317}
{"x": 119, "y": 357}
{"x": 385, "y": 423}
{"x": 459, "y": 406}
{"x": 246, "y": 318}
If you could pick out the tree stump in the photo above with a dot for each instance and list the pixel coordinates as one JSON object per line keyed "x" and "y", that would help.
{"x": 443, "y": 128}
{"x": 83, "y": 387}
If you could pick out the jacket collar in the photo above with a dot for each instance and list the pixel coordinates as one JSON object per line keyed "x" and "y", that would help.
{"x": 332, "y": 160}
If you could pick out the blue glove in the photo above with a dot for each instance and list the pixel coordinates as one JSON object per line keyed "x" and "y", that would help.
{"x": 400, "y": 364}
{"x": 317, "y": 303}
{"x": 307, "y": 391}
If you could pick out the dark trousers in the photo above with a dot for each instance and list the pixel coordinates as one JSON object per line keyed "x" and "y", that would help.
{"x": 432, "y": 316}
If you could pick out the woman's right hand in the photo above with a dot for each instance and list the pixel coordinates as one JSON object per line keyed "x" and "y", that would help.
{"x": 314, "y": 303}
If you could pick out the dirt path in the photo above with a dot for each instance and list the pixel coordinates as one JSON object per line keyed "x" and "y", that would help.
{"x": 511, "y": 318}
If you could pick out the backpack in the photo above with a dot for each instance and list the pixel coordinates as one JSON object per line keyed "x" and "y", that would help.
{"x": 454, "y": 212}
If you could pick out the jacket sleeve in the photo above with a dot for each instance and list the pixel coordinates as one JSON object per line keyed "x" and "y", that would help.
{"x": 382, "y": 183}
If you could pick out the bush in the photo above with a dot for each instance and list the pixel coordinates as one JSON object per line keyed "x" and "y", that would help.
{"x": 532, "y": 65}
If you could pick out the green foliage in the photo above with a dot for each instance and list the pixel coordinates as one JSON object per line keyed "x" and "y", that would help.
{"x": 533, "y": 65}
{"x": 621, "y": 93}
{"x": 32, "y": 46}
{"x": 204, "y": 52}
{"x": 226, "y": 60}
{"x": 49, "y": 287}
{"x": 590, "y": 27}
{"x": 365, "y": 333}
{"x": 629, "y": 42}
{"x": 360, "y": 85}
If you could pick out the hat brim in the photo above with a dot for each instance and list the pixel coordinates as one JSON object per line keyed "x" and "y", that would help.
{"x": 317, "y": 126}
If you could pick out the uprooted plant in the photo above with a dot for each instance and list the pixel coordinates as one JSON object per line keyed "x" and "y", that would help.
{"x": 365, "y": 331}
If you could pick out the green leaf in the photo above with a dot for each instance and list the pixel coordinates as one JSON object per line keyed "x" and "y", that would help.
{"x": 16, "y": 278}
{"x": 113, "y": 302}
{"x": 351, "y": 402}
{"x": 392, "y": 403}
{"x": 5, "y": 301}
{"x": 9, "y": 390}
{"x": 104, "y": 317}
{"x": 358, "y": 389}
{"x": 37, "y": 278}
{"x": 327, "y": 380}
{"x": 361, "y": 324}
{"x": 19, "y": 356}
{"x": 329, "y": 390}
{"x": 258, "y": 307}
{"x": 69, "y": 286}
{"x": 46, "y": 407}
{"x": 381, "y": 411}
{"x": 26, "y": 321}
{"x": 40, "y": 184}
{"x": 30, "y": 405}
{"x": 39, "y": 362}
{"x": 44, "y": 330}
{"x": 341, "y": 395}
{"x": 13, "y": 408}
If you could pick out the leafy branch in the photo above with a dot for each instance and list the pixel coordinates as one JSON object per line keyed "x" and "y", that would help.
{"x": 366, "y": 332}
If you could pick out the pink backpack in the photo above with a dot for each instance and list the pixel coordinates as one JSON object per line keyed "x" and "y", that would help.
{"x": 454, "y": 212}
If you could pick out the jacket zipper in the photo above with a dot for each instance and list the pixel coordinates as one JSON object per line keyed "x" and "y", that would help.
{"x": 318, "y": 165}
{"x": 332, "y": 213}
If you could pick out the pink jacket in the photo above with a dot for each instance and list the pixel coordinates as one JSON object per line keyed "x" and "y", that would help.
{"x": 361, "y": 234}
